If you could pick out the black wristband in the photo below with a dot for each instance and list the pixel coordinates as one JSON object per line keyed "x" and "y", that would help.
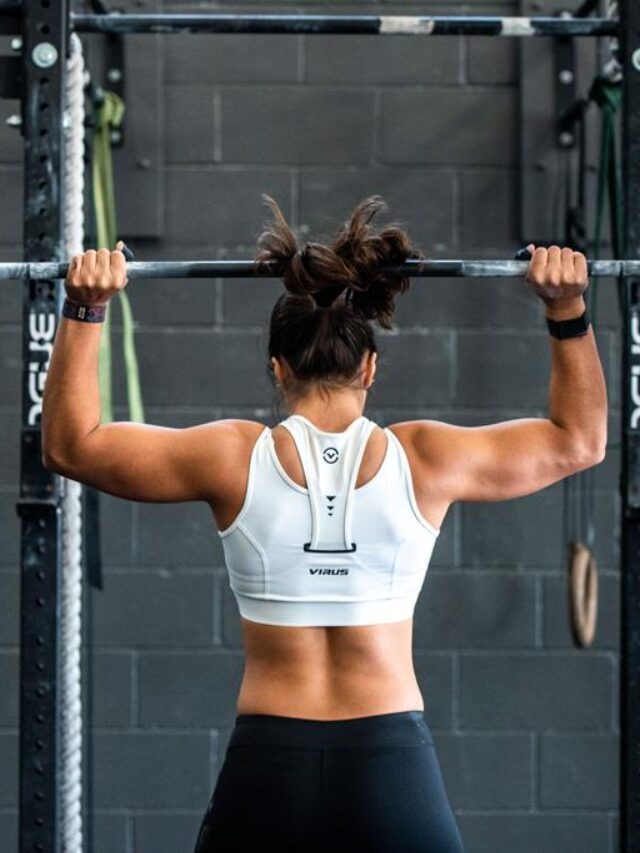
{"x": 573, "y": 328}
{"x": 85, "y": 313}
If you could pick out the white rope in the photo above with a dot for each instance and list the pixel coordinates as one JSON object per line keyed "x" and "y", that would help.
{"x": 70, "y": 665}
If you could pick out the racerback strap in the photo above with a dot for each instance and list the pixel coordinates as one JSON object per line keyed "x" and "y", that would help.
{"x": 330, "y": 461}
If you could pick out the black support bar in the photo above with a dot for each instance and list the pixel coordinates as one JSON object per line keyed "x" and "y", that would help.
{"x": 410, "y": 25}
{"x": 44, "y": 39}
{"x": 630, "y": 482}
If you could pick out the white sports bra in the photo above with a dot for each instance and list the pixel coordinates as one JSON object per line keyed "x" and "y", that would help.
{"x": 328, "y": 554}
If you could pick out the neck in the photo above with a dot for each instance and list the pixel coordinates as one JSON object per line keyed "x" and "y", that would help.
{"x": 334, "y": 413}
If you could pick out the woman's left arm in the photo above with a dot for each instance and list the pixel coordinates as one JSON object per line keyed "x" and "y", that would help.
{"x": 134, "y": 461}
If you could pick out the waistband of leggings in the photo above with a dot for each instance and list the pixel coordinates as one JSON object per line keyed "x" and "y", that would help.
{"x": 407, "y": 728}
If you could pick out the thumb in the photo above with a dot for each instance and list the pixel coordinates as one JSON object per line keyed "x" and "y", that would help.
{"x": 119, "y": 245}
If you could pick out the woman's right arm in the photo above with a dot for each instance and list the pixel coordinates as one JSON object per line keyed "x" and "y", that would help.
{"x": 518, "y": 457}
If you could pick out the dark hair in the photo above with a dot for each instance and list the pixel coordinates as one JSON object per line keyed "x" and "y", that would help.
{"x": 322, "y": 325}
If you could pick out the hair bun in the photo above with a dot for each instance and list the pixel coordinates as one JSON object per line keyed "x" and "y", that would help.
{"x": 354, "y": 267}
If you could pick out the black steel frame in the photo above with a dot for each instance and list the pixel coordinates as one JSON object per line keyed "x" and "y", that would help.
{"x": 43, "y": 101}
{"x": 630, "y": 479}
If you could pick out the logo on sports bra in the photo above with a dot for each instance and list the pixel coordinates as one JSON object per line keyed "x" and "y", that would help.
{"x": 329, "y": 571}
{"x": 330, "y": 455}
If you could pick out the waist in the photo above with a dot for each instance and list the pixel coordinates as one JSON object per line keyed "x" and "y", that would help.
{"x": 402, "y": 728}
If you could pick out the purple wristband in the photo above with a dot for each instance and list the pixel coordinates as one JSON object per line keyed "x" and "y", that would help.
{"x": 85, "y": 313}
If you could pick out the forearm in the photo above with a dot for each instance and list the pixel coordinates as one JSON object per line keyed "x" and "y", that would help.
{"x": 71, "y": 404}
{"x": 577, "y": 389}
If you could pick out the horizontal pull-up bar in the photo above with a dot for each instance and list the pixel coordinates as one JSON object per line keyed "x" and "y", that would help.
{"x": 421, "y": 268}
{"x": 411, "y": 25}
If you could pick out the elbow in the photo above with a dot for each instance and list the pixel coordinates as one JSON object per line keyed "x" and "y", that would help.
{"x": 51, "y": 462}
{"x": 593, "y": 455}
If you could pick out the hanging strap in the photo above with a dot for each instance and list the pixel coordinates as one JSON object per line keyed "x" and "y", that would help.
{"x": 108, "y": 113}
{"x": 331, "y": 462}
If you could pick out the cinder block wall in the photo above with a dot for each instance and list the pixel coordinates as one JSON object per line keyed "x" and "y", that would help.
{"x": 525, "y": 725}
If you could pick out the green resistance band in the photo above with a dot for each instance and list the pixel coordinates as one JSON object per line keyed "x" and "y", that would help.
{"x": 108, "y": 116}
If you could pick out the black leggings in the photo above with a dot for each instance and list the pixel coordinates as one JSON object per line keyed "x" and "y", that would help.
{"x": 367, "y": 784}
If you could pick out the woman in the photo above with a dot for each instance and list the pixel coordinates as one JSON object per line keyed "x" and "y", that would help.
{"x": 328, "y": 522}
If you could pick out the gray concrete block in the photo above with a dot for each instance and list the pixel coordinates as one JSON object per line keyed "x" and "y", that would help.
{"x": 231, "y": 630}
{"x": 555, "y": 606}
{"x": 447, "y": 126}
{"x": 536, "y": 691}
{"x": 177, "y": 535}
{"x": 110, "y": 832}
{"x": 9, "y": 829}
{"x": 293, "y": 125}
{"x": 393, "y": 60}
{"x": 461, "y": 610}
{"x": 489, "y": 215}
{"x": 231, "y": 58}
{"x": 170, "y": 301}
{"x": 486, "y": 771}
{"x": 506, "y": 369}
{"x": 327, "y": 197}
{"x": 469, "y": 303}
{"x": 155, "y": 609}
{"x": 507, "y": 533}
{"x": 12, "y": 294}
{"x": 532, "y": 833}
{"x": 145, "y": 770}
{"x": 247, "y": 301}
{"x": 166, "y": 833}
{"x": 9, "y": 695}
{"x": 189, "y": 124}
{"x": 221, "y": 205}
{"x": 116, "y": 530}
{"x": 10, "y": 458}
{"x": 188, "y": 690}
{"x": 434, "y": 673}
{"x": 8, "y": 769}
{"x": 10, "y": 600}
{"x": 11, "y": 366}
{"x": 413, "y": 369}
{"x": 112, "y": 688}
{"x": 491, "y": 61}
{"x": 203, "y": 368}
{"x": 9, "y": 529}
{"x": 579, "y": 771}
{"x": 11, "y": 179}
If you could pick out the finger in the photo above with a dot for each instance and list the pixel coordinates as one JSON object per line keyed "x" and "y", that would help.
{"x": 580, "y": 267}
{"x": 568, "y": 268}
{"x": 118, "y": 265}
{"x": 75, "y": 264}
{"x": 120, "y": 245}
{"x": 89, "y": 262}
{"x": 554, "y": 256}
{"x": 103, "y": 263}
{"x": 538, "y": 262}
